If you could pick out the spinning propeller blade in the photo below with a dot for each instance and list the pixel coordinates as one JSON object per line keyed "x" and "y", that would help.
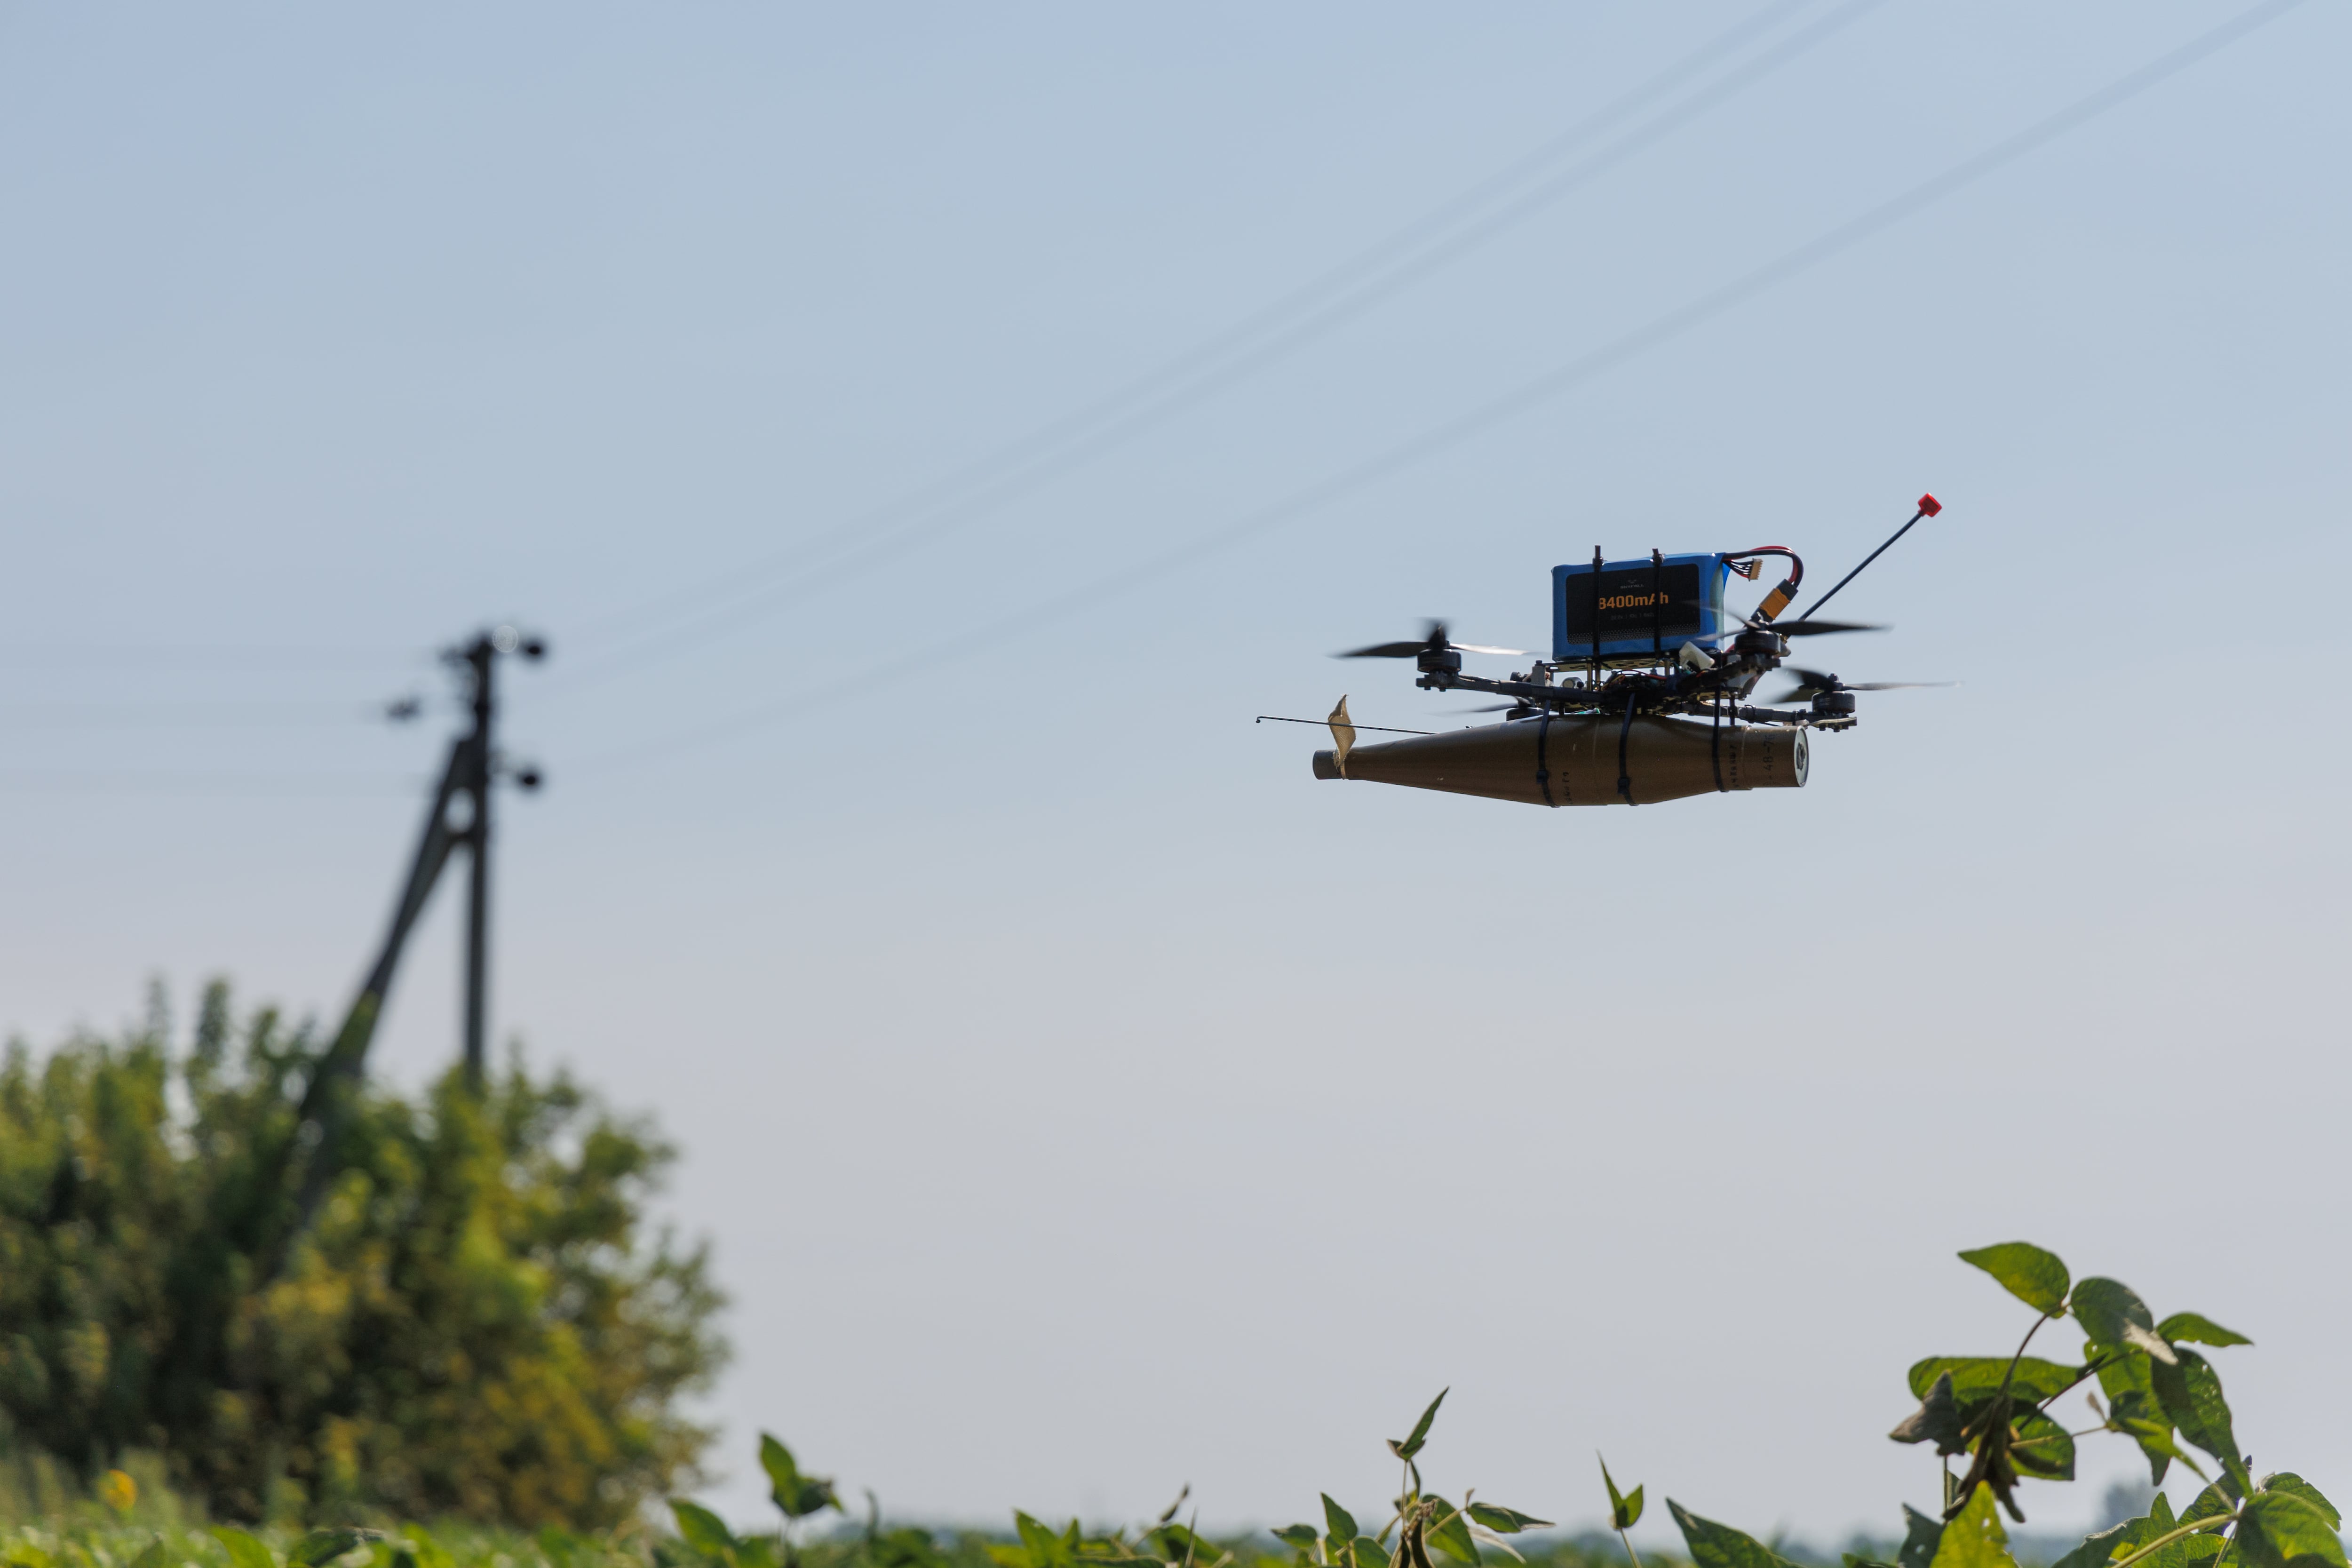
{"x": 1811, "y": 683}
{"x": 1793, "y": 629}
{"x": 1433, "y": 641}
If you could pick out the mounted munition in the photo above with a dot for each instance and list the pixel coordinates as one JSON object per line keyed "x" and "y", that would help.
{"x": 1569, "y": 760}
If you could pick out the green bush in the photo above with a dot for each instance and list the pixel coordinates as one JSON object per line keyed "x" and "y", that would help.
{"x": 475, "y": 1325}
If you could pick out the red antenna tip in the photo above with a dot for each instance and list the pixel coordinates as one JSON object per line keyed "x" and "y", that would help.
{"x": 1929, "y": 506}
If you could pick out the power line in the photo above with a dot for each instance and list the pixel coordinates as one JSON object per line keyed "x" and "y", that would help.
{"x": 279, "y": 659}
{"x": 1528, "y": 394}
{"x": 1341, "y": 294}
{"x": 69, "y": 715}
{"x": 101, "y": 781}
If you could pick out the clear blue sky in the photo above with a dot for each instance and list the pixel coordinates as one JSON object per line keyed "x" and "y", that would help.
{"x": 1081, "y": 1097}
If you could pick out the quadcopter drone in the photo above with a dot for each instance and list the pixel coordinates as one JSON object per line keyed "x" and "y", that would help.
{"x": 1645, "y": 697}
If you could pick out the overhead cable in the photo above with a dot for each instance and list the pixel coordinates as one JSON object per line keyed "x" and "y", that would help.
{"x": 1528, "y": 394}
{"x": 1343, "y": 293}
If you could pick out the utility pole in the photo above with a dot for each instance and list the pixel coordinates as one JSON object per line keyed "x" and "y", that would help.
{"x": 482, "y": 657}
{"x": 474, "y": 766}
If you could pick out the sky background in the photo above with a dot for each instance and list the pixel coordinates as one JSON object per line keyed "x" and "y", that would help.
{"x": 1082, "y": 1100}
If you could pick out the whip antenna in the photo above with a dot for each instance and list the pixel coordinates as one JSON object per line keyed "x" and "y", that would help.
{"x": 1928, "y": 507}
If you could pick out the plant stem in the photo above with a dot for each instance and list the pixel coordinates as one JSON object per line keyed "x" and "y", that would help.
{"x": 2086, "y": 1372}
{"x": 2223, "y": 1522}
{"x": 2007, "y": 1376}
{"x": 1629, "y": 1548}
{"x": 2052, "y": 1436}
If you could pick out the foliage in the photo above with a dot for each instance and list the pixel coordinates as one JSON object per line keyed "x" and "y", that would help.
{"x": 1993, "y": 1410}
{"x": 475, "y": 1329}
{"x": 476, "y": 1324}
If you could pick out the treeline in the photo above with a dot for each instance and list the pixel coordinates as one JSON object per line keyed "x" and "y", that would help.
{"x": 474, "y": 1324}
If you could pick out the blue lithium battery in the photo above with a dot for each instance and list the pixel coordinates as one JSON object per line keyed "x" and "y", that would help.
{"x": 1639, "y": 606}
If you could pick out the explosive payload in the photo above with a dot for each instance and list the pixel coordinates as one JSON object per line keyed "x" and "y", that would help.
{"x": 1653, "y": 711}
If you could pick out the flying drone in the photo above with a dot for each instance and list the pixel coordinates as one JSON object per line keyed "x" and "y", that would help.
{"x": 1644, "y": 698}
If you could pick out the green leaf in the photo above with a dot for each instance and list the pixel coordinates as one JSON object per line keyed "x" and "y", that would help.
{"x": 2112, "y": 1315}
{"x": 322, "y": 1546}
{"x": 244, "y": 1550}
{"x": 1302, "y": 1536}
{"x": 1340, "y": 1522}
{"x": 703, "y": 1530}
{"x": 1922, "y": 1533}
{"x": 1848, "y": 1559}
{"x": 1449, "y": 1532}
{"x": 2133, "y": 1406}
{"x": 1975, "y": 1375}
{"x": 2128, "y": 1537}
{"x": 2043, "y": 1448}
{"x": 2281, "y": 1527}
{"x": 908, "y": 1546}
{"x": 2153, "y": 1436}
{"x": 1975, "y": 1538}
{"x": 152, "y": 1556}
{"x": 783, "y": 1470}
{"x": 1937, "y": 1417}
{"x": 798, "y": 1495}
{"x": 2190, "y": 1393}
{"x": 1625, "y": 1512}
{"x": 2098, "y": 1549}
{"x": 1714, "y": 1545}
{"x": 1506, "y": 1521}
{"x": 1047, "y": 1550}
{"x": 2183, "y": 1554}
{"x": 429, "y": 1552}
{"x": 1179, "y": 1544}
{"x": 2034, "y": 1277}
{"x": 1371, "y": 1554}
{"x": 1413, "y": 1445}
{"x": 2288, "y": 1481}
{"x": 2204, "y": 1330}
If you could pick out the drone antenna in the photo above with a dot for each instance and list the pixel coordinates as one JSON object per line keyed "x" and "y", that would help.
{"x": 1928, "y": 507}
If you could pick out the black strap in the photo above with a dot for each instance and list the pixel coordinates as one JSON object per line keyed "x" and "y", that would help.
{"x": 1624, "y": 779}
{"x": 1543, "y": 766}
{"x": 1657, "y": 604}
{"x": 1596, "y": 617}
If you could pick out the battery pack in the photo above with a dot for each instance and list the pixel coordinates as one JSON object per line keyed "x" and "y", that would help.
{"x": 1638, "y": 606}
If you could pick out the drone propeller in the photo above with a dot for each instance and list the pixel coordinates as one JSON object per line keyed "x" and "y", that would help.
{"x": 1793, "y": 629}
{"x": 1433, "y": 641}
{"x": 1811, "y": 683}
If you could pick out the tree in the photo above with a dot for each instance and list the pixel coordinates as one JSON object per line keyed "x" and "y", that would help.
{"x": 476, "y": 1323}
